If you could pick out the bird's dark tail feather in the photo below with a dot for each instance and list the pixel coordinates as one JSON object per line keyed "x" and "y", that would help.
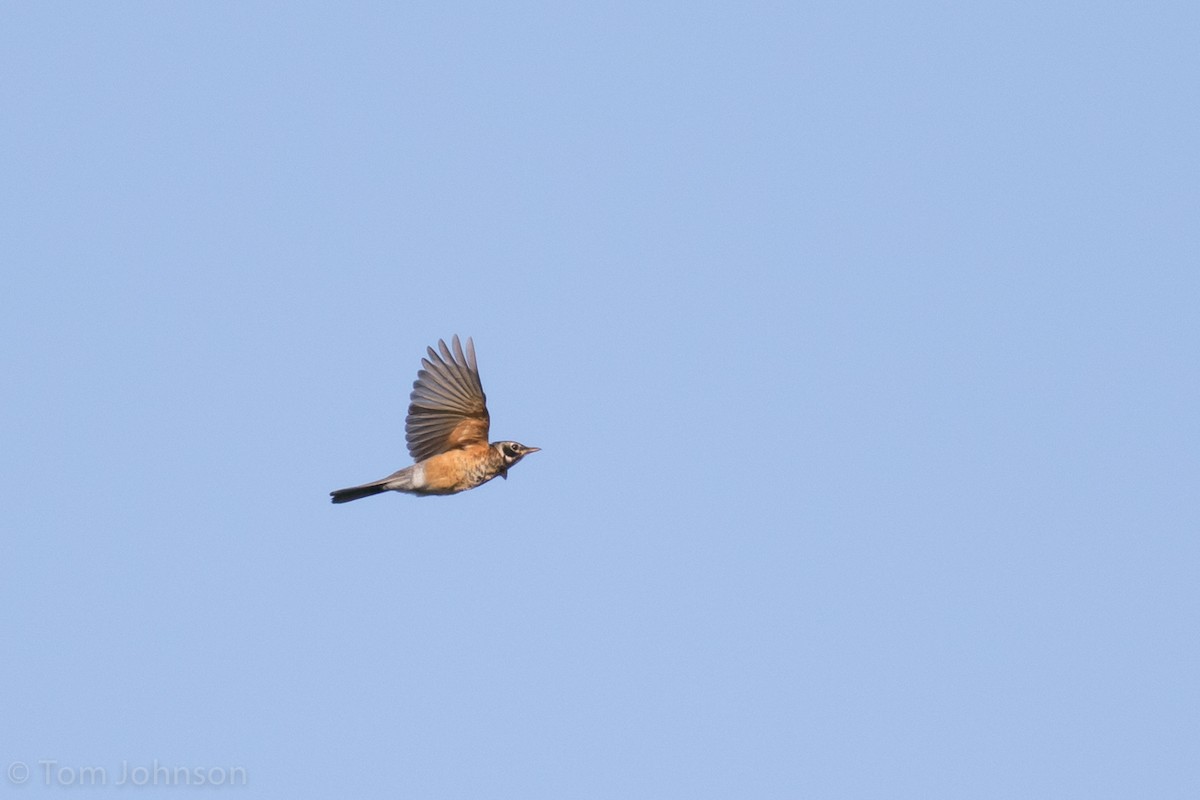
{"x": 400, "y": 481}
{"x": 357, "y": 492}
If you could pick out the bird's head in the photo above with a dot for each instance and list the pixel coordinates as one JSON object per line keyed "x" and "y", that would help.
{"x": 511, "y": 453}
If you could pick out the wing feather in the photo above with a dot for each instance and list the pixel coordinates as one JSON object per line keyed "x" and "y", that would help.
{"x": 447, "y": 408}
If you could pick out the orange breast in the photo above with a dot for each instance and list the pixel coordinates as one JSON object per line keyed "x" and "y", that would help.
{"x": 457, "y": 470}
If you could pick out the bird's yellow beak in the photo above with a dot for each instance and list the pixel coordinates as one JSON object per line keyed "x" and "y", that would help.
{"x": 529, "y": 450}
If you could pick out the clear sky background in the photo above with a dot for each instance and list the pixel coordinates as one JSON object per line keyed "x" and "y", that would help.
{"x": 861, "y": 340}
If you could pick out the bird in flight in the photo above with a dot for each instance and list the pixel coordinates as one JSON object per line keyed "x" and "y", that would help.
{"x": 446, "y": 431}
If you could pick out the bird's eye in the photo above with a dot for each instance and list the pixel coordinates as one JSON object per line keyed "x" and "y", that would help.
{"x": 510, "y": 450}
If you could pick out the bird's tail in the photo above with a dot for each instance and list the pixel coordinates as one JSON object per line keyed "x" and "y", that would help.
{"x": 355, "y": 492}
{"x": 397, "y": 481}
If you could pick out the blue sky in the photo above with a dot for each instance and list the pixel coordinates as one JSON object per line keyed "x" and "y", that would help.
{"x": 860, "y": 341}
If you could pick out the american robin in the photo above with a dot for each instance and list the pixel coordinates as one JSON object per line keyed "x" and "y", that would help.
{"x": 446, "y": 431}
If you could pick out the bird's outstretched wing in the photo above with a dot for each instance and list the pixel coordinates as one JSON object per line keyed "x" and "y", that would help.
{"x": 447, "y": 407}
